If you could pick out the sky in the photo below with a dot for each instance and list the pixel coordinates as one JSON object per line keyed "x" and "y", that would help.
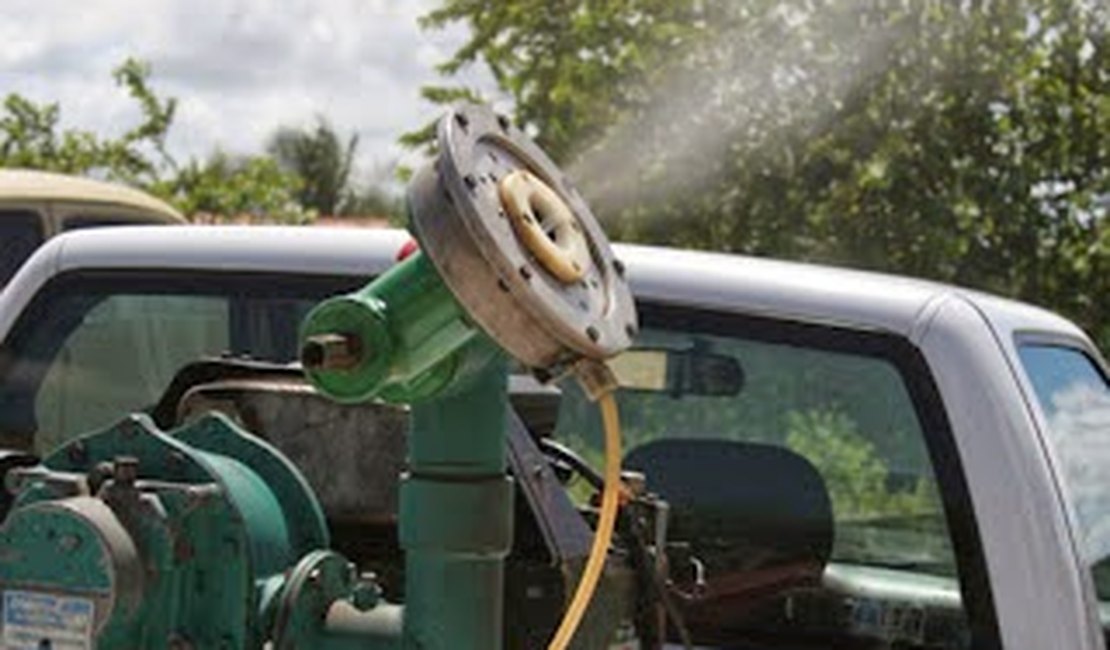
{"x": 239, "y": 68}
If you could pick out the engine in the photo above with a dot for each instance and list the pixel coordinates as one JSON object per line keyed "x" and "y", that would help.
{"x": 200, "y": 537}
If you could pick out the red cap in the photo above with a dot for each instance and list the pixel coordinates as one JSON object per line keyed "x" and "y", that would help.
{"x": 408, "y": 249}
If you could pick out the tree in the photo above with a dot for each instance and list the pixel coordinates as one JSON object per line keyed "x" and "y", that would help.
{"x": 30, "y": 135}
{"x": 572, "y": 68}
{"x": 374, "y": 200}
{"x": 321, "y": 159}
{"x": 221, "y": 187}
{"x": 966, "y": 142}
{"x": 235, "y": 187}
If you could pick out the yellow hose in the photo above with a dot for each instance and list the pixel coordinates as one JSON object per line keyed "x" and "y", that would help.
{"x": 599, "y": 551}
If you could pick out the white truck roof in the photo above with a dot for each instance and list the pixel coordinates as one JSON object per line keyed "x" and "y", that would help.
{"x": 755, "y": 286}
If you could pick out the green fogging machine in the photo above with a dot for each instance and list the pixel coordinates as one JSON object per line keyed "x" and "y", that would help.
{"x": 207, "y": 537}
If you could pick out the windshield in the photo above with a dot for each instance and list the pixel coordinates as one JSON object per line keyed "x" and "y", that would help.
{"x": 93, "y": 347}
{"x": 1074, "y": 396}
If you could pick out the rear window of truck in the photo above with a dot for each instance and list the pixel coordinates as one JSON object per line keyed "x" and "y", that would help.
{"x": 93, "y": 347}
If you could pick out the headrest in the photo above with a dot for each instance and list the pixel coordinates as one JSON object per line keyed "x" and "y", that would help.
{"x": 742, "y": 506}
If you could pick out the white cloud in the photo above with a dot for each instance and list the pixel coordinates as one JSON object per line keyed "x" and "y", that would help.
{"x": 240, "y": 68}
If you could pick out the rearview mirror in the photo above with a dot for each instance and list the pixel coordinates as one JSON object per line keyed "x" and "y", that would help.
{"x": 679, "y": 372}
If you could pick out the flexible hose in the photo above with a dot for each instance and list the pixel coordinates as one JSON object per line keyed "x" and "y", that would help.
{"x": 603, "y": 536}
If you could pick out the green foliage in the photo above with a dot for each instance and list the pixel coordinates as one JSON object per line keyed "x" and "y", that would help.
{"x": 855, "y": 475}
{"x": 228, "y": 187}
{"x": 879, "y": 517}
{"x": 424, "y": 137}
{"x": 570, "y": 67}
{"x": 30, "y": 135}
{"x": 222, "y": 187}
{"x": 962, "y": 141}
{"x": 323, "y": 162}
{"x": 375, "y": 201}
{"x": 157, "y": 114}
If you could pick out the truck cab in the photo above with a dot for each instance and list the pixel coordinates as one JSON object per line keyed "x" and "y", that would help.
{"x": 852, "y": 460}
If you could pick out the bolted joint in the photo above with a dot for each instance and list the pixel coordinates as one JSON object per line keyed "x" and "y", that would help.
{"x": 331, "y": 352}
{"x": 366, "y": 593}
{"x": 125, "y": 470}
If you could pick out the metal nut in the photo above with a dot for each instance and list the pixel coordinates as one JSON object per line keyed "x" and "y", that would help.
{"x": 340, "y": 351}
{"x": 125, "y": 470}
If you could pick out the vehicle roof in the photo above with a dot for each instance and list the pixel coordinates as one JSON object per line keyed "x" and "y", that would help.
{"x": 750, "y": 285}
{"x": 34, "y": 185}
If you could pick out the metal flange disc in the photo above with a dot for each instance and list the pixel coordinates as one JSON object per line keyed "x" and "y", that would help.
{"x": 546, "y": 302}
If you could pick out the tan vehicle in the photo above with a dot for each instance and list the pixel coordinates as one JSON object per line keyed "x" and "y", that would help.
{"x": 35, "y": 206}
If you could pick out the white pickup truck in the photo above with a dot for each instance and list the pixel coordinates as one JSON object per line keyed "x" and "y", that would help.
{"x": 962, "y": 441}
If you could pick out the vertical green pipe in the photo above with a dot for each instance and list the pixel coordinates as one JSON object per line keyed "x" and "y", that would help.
{"x": 456, "y": 516}
{"x": 403, "y": 338}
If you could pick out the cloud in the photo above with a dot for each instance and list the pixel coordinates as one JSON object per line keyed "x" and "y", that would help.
{"x": 239, "y": 68}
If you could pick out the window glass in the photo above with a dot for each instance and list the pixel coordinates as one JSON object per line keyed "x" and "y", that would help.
{"x": 124, "y": 353}
{"x": 90, "y": 350}
{"x": 20, "y": 235}
{"x": 740, "y": 433}
{"x": 1075, "y": 399}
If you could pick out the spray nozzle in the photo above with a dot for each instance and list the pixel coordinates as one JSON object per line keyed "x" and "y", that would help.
{"x": 507, "y": 248}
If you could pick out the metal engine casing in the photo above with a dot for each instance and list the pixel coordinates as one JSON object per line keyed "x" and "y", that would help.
{"x": 133, "y": 537}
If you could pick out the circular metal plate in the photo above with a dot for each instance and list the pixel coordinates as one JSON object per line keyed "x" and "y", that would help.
{"x": 462, "y": 226}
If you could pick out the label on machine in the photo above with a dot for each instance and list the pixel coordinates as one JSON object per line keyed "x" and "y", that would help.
{"x": 34, "y": 620}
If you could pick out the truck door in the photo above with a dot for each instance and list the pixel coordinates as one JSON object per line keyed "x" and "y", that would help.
{"x": 747, "y": 426}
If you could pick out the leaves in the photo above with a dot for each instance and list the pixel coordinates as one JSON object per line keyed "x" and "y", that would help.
{"x": 229, "y": 187}
{"x": 220, "y": 188}
{"x": 857, "y": 478}
{"x": 964, "y": 142}
{"x": 321, "y": 160}
{"x": 569, "y": 66}
{"x": 30, "y": 135}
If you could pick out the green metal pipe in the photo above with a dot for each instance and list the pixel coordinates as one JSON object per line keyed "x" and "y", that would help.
{"x": 395, "y": 339}
{"x": 456, "y": 517}
{"x": 404, "y": 338}
{"x": 347, "y": 628}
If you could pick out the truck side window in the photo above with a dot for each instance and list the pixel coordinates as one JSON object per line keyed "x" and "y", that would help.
{"x": 120, "y": 358}
{"x": 93, "y": 347}
{"x": 800, "y": 479}
{"x": 20, "y": 234}
{"x": 1074, "y": 397}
